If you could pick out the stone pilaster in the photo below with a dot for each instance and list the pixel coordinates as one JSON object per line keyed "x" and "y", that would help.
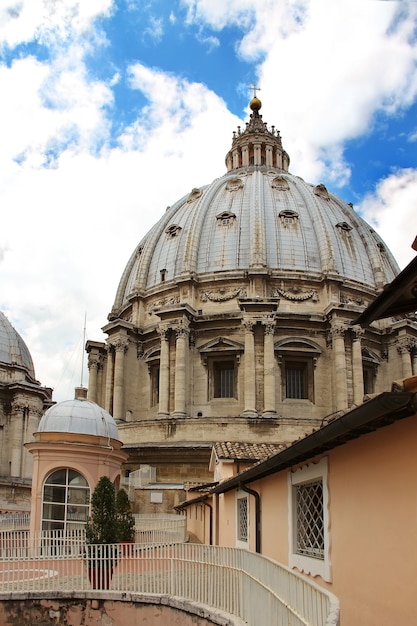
{"x": 120, "y": 347}
{"x": 404, "y": 347}
{"x": 93, "y": 367}
{"x": 108, "y": 405}
{"x": 249, "y": 373}
{"x": 164, "y": 372}
{"x": 357, "y": 368}
{"x": 182, "y": 333}
{"x": 338, "y": 331}
{"x": 269, "y": 369}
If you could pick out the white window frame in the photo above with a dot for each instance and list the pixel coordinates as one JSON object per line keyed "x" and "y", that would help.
{"x": 242, "y": 495}
{"x": 307, "y": 564}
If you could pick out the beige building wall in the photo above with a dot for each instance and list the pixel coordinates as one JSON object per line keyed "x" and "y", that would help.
{"x": 372, "y": 524}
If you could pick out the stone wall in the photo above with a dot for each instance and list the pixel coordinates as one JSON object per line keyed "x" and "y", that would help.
{"x": 116, "y": 609}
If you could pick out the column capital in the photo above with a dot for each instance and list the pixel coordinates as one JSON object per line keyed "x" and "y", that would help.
{"x": 269, "y": 325}
{"x": 338, "y": 329}
{"x": 248, "y": 323}
{"x": 357, "y": 332}
{"x": 120, "y": 345}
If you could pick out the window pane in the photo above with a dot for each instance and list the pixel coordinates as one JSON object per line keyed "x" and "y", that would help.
{"x": 242, "y": 522}
{"x": 296, "y": 380}
{"x": 310, "y": 522}
{"x": 224, "y": 373}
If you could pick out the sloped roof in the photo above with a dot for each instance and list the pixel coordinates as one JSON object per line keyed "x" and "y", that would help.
{"x": 245, "y": 451}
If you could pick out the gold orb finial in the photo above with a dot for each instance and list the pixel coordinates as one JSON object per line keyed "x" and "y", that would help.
{"x": 255, "y": 104}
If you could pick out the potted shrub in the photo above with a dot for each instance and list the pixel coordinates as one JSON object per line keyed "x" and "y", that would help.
{"x": 125, "y": 519}
{"x": 101, "y": 533}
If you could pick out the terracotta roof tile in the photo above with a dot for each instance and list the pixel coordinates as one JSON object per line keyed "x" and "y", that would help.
{"x": 241, "y": 451}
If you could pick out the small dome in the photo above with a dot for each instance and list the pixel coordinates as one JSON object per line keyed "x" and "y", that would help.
{"x": 13, "y": 350}
{"x": 79, "y": 416}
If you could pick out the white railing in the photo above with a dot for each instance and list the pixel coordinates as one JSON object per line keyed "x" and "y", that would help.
{"x": 159, "y": 528}
{"x": 149, "y": 529}
{"x": 236, "y": 581}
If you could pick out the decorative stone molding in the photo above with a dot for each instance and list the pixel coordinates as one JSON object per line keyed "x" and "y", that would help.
{"x": 338, "y": 329}
{"x": 163, "y": 302}
{"x": 296, "y": 294}
{"x": 93, "y": 362}
{"x": 222, "y": 295}
{"x": 269, "y": 326}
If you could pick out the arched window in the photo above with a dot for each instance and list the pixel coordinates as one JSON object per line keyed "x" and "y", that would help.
{"x": 65, "y": 501}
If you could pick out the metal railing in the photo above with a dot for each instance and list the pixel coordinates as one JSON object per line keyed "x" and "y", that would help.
{"x": 242, "y": 583}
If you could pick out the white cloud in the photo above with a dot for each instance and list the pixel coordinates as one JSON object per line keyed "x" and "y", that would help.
{"x": 77, "y": 201}
{"x": 23, "y": 20}
{"x": 391, "y": 209}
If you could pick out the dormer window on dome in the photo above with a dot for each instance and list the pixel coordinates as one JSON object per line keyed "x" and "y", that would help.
{"x": 234, "y": 184}
{"x": 280, "y": 183}
{"x": 344, "y": 227}
{"x": 320, "y": 190}
{"x": 194, "y": 195}
{"x": 288, "y": 217}
{"x": 172, "y": 230}
{"x": 226, "y": 218}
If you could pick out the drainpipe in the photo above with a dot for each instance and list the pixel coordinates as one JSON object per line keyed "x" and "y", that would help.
{"x": 210, "y": 521}
{"x": 257, "y": 497}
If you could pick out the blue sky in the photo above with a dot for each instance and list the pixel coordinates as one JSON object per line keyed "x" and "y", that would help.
{"x": 113, "y": 109}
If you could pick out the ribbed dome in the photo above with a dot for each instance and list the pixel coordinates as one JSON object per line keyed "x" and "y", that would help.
{"x": 79, "y": 416}
{"x": 13, "y": 350}
{"x": 257, "y": 216}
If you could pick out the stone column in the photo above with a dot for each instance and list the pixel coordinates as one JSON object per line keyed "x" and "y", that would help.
{"x": 245, "y": 156}
{"x": 414, "y": 360}
{"x": 338, "y": 331}
{"x": 181, "y": 355}
{"x": 19, "y": 417}
{"x": 164, "y": 372}
{"x": 249, "y": 373}
{"x": 120, "y": 347}
{"x": 357, "y": 368}
{"x": 269, "y": 369}
{"x": 109, "y": 379}
{"x": 403, "y": 348}
{"x": 93, "y": 365}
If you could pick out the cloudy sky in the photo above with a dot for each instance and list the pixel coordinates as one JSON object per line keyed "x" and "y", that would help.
{"x": 111, "y": 110}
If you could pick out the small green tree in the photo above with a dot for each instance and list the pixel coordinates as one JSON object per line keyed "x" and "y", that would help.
{"x": 102, "y": 527}
{"x": 125, "y": 519}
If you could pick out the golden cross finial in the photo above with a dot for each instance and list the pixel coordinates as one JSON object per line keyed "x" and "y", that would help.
{"x": 255, "y": 89}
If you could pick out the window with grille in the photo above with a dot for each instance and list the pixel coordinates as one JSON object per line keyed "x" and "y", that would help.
{"x": 309, "y": 514}
{"x": 309, "y": 521}
{"x": 242, "y": 519}
{"x": 224, "y": 379}
{"x": 296, "y": 380}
